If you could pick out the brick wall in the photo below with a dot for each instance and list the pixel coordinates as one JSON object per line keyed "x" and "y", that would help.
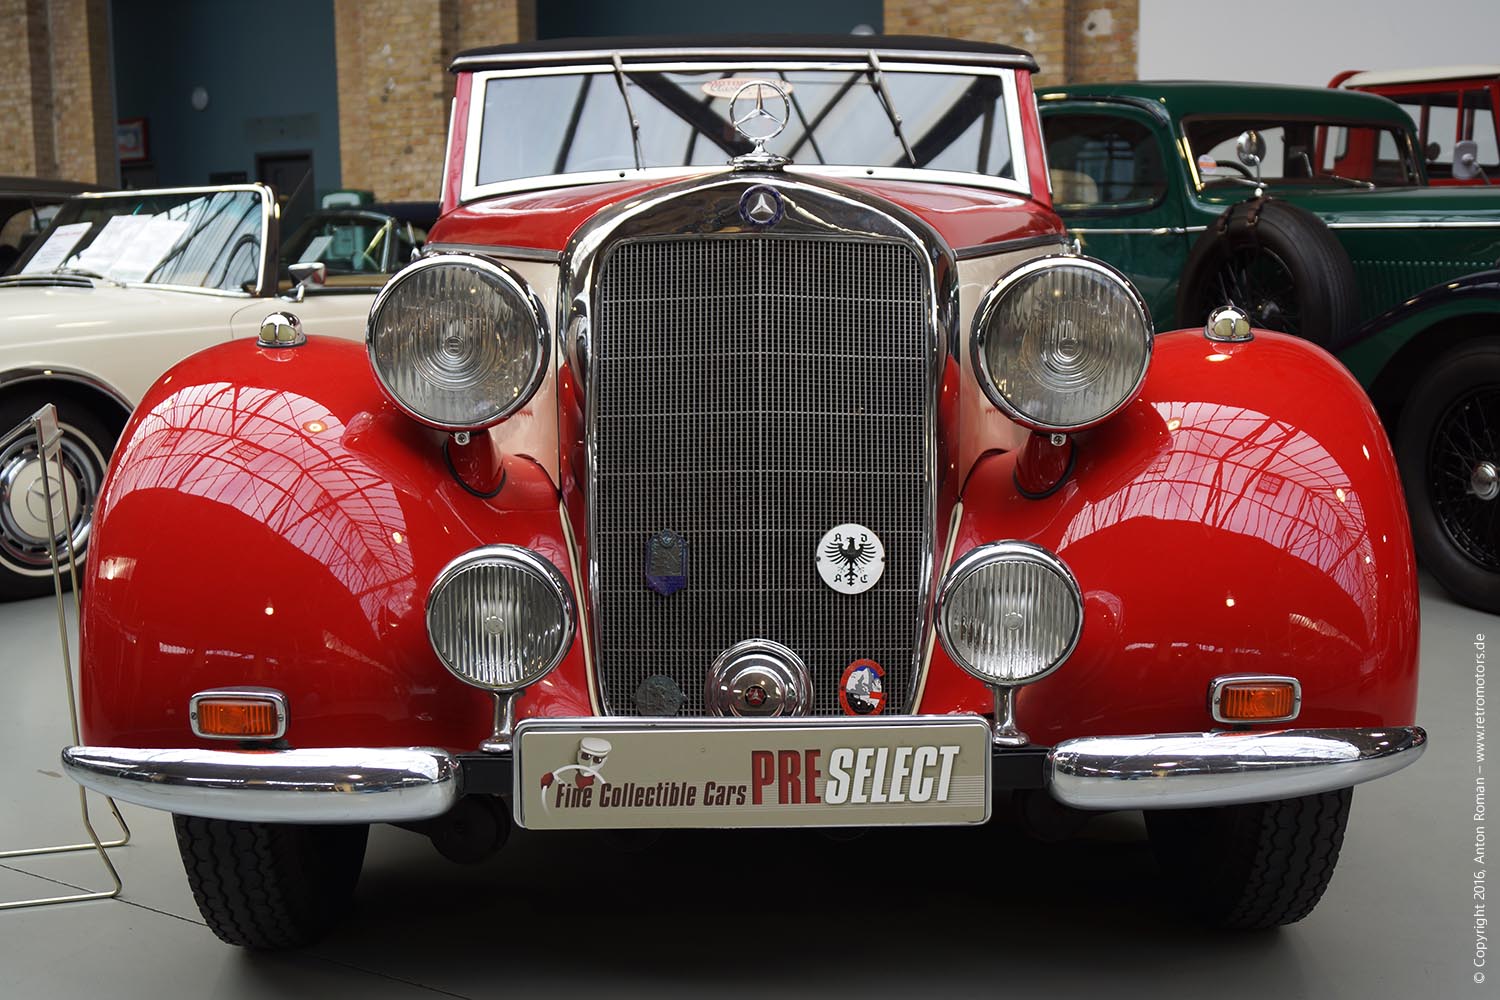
{"x": 56, "y": 90}
{"x": 1103, "y": 40}
{"x": 1073, "y": 40}
{"x": 394, "y": 85}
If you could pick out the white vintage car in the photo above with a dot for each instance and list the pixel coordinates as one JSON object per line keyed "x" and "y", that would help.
{"x": 125, "y": 284}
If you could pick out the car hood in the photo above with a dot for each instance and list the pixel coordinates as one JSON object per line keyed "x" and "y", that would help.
{"x": 50, "y": 314}
{"x": 1409, "y": 204}
{"x": 545, "y": 220}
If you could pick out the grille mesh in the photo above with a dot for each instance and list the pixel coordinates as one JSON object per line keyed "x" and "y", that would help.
{"x": 754, "y": 392}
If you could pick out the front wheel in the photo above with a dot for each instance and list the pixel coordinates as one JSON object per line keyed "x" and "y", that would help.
{"x": 1448, "y": 448}
{"x": 25, "y": 562}
{"x": 1252, "y": 866}
{"x": 270, "y": 885}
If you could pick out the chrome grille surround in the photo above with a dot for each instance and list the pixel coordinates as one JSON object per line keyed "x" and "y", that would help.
{"x": 703, "y": 212}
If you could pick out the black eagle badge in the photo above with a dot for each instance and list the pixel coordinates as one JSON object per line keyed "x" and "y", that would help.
{"x": 851, "y": 559}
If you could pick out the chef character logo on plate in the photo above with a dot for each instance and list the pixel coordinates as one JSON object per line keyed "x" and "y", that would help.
{"x": 851, "y": 559}
{"x": 585, "y": 771}
{"x": 862, "y": 688}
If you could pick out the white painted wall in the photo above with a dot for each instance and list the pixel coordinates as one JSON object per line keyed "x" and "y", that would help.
{"x": 1308, "y": 41}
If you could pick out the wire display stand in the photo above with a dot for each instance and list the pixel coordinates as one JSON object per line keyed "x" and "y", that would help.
{"x": 43, "y": 424}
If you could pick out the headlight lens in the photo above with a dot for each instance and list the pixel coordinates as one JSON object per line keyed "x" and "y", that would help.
{"x": 500, "y": 617}
{"x": 1009, "y": 612}
{"x": 457, "y": 341}
{"x": 1062, "y": 343}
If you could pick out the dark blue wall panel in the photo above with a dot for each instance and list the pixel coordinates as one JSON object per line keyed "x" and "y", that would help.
{"x": 568, "y": 18}
{"x": 269, "y": 71}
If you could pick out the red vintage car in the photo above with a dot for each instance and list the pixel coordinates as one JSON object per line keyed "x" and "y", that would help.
{"x": 1457, "y": 113}
{"x": 748, "y": 448}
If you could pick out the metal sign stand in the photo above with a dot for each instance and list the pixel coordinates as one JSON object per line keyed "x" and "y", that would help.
{"x": 44, "y": 425}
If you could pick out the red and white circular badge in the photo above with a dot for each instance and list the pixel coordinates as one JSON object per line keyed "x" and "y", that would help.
{"x": 862, "y": 688}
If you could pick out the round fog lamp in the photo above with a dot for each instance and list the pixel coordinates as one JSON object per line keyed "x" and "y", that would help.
{"x": 1009, "y": 613}
{"x": 500, "y": 617}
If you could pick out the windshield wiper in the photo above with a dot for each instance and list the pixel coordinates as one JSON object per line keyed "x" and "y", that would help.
{"x": 84, "y": 272}
{"x": 1357, "y": 182}
{"x": 635, "y": 123}
{"x": 877, "y": 79}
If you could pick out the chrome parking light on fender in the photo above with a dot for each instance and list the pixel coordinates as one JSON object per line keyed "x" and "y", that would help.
{"x": 1061, "y": 343}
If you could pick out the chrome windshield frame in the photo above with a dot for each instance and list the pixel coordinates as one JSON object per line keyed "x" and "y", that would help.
{"x": 470, "y": 189}
{"x": 270, "y": 215}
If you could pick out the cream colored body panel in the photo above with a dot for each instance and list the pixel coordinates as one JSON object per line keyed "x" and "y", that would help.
{"x": 125, "y": 338}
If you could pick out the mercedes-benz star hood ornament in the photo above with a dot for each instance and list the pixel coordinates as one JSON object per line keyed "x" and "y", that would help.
{"x": 758, "y": 123}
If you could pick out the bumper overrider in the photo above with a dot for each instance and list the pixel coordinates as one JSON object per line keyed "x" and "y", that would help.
{"x": 363, "y": 785}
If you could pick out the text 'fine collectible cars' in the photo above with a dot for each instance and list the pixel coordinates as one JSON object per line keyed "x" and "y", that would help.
{"x": 1310, "y": 209}
{"x": 820, "y": 488}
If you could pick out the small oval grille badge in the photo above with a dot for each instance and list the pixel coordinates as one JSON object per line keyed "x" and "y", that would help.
{"x": 851, "y": 559}
{"x": 761, "y": 205}
{"x": 862, "y": 688}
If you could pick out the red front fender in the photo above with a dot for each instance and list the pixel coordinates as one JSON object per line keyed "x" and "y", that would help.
{"x": 1243, "y": 516}
{"x": 270, "y": 519}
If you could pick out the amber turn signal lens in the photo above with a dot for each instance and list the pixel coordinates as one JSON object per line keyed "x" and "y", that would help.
{"x": 1257, "y": 701}
{"x": 240, "y": 718}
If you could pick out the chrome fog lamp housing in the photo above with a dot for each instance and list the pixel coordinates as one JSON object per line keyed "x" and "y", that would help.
{"x": 457, "y": 341}
{"x": 1009, "y": 613}
{"x": 500, "y": 617}
{"x": 1061, "y": 343}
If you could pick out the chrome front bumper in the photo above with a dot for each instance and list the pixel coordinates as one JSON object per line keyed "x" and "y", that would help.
{"x": 1216, "y": 769}
{"x": 380, "y": 785}
{"x": 334, "y": 785}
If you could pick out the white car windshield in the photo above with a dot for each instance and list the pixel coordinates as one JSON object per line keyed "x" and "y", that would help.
{"x": 198, "y": 239}
{"x": 542, "y": 125}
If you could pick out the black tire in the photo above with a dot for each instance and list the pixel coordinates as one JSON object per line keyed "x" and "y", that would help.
{"x": 88, "y": 440}
{"x": 1448, "y": 429}
{"x": 267, "y": 885}
{"x": 1279, "y": 264}
{"x": 1254, "y": 866}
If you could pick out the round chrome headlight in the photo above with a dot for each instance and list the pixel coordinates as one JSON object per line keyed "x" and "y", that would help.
{"x": 1009, "y": 612}
{"x": 500, "y": 617}
{"x": 459, "y": 342}
{"x": 1061, "y": 343}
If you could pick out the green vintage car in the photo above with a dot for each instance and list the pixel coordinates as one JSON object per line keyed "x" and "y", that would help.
{"x": 1310, "y": 210}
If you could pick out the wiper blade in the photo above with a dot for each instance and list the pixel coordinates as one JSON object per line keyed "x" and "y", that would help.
{"x": 84, "y": 272}
{"x": 635, "y": 123}
{"x": 877, "y": 78}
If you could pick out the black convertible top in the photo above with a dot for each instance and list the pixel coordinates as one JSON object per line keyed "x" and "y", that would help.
{"x": 699, "y": 48}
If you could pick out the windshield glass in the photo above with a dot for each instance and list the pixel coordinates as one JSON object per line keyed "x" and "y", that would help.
{"x": 1309, "y": 153}
{"x": 542, "y": 125}
{"x": 198, "y": 239}
{"x": 352, "y": 242}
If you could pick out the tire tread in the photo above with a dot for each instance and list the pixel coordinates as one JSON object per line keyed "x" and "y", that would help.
{"x": 269, "y": 886}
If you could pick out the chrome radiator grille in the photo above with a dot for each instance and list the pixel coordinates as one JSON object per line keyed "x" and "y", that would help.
{"x": 752, "y": 393}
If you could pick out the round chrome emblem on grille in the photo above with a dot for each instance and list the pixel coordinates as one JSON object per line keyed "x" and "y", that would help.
{"x": 851, "y": 558}
{"x": 758, "y": 678}
{"x": 761, "y": 205}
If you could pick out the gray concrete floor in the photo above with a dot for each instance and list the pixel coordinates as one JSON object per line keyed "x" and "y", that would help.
{"x": 922, "y": 912}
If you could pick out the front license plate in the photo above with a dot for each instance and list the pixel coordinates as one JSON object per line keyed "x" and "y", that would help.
{"x": 621, "y": 773}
